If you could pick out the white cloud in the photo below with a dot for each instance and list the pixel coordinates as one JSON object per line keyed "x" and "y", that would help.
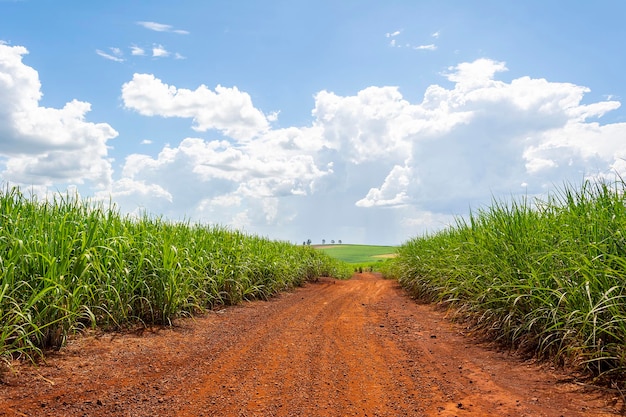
{"x": 373, "y": 157}
{"x": 137, "y": 51}
{"x": 529, "y": 131}
{"x": 226, "y": 109}
{"x": 378, "y": 123}
{"x": 160, "y": 27}
{"x": 47, "y": 146}
{"x": 273, "y": 116}
{"x": 115, "y": 55}
{"x": 222, "y": 182}
{"x": 393, "y": 42}
{"x": 373, "y": 166}
{"x": 158, "y": 51}
{"x": 429, "y": 47}
{"x": 227, "y": 200}
{"x": 480, "y": 71}
{"x": 392, "y": 193}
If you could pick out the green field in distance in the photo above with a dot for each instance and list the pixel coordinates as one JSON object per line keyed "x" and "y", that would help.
{"x": 355, "y": 254}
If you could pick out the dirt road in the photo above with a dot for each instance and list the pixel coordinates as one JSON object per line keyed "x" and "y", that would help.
{"x": 332, "y": 348}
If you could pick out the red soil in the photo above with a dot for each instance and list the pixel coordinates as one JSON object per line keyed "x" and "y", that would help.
{"x": 333, "y": 348}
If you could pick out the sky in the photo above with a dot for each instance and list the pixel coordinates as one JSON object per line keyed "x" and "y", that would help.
{"x": 369, "y": 122}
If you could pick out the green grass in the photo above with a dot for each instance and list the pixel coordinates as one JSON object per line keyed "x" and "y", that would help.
{"x": 547, "y": 277}
{"x": 358, "y": 254}
{"x": 67, "y": 264}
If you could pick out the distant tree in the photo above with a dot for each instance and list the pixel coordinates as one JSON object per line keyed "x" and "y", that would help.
{"x": 304, "y": 243}
{"x": 323, "y": 241}
{"x": 339, "y": 241}
{"x": 332, "y": 241}
{"x": 308, "y": 242}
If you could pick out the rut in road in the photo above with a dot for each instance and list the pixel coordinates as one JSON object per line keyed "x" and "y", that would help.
{"x": 333, "y": 348}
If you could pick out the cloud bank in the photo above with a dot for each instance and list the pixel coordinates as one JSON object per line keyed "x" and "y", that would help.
{"x": 372, "y": 161}
{"x": 371, "y": 167}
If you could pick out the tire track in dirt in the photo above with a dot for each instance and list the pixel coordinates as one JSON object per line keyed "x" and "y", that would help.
{"x": 318, "y": 353}
{"x": 334, "y": 348}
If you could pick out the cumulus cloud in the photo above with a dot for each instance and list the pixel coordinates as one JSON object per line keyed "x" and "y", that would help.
{"x": 137, "y": 51}
{"x": 223, "y": 183}
{"x": 528, "y": 131}
{"x": 158, "y": 51}
{"x": 393, "y": 192}
{"x": 378, "y": 124}
{"x": 370, "y": 158}
{"x": 45, "y": 146}
{"x": 225, "y": 109}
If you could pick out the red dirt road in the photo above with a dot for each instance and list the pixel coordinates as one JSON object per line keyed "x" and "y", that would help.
{"x": 334, "y": 348}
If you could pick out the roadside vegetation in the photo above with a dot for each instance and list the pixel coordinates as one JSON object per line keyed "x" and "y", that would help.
{"x": 67, "y": 264}
{"x": 546, "y": 277}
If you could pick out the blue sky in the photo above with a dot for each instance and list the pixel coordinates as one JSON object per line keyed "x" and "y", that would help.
{"x": 365, "y": 121}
